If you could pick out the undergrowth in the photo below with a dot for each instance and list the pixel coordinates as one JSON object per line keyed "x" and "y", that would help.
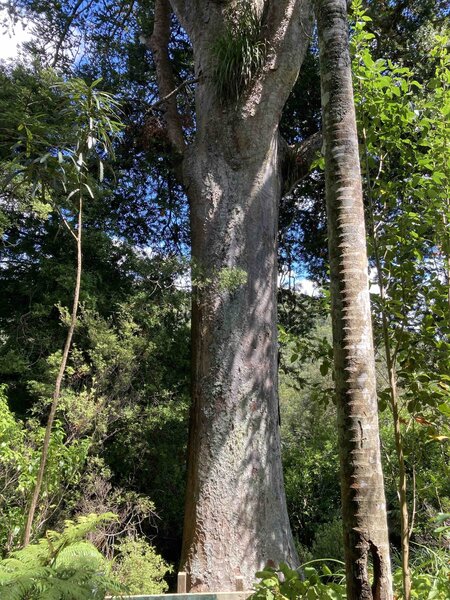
{"x": 60, "y": 566}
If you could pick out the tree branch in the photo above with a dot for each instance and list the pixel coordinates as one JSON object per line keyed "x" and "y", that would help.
{"x": 158, "y": 44}
{"x": 70, "y": 19}
{"x": 297, "y": 160}
{"x": 286, "y": 29}
{"x": 173, "y": 92}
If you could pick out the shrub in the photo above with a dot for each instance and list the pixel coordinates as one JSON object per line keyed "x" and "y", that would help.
{"x": 140, "y": 568}
{"x": 283, "y": 583}
{"x": 329, "y": 541}
{"x": 430, "y": 574}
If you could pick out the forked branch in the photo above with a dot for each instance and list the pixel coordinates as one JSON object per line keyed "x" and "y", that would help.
{"x": 158, "y": 44}
{"x": 297, "y": 160}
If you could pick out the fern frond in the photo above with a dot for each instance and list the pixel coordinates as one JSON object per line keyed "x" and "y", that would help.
{"x": 61, "y": 566}
{"x": 80, "y": 552}
{"x": 22, "y": 585}
{"x": 32, "y": 555}
{"x": 75, "y": 531}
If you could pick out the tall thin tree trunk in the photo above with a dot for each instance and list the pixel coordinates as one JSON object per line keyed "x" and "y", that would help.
{"x": 363, "y": 501}
{"x": 58, "y": 382}
{"x": 446, "y": 250}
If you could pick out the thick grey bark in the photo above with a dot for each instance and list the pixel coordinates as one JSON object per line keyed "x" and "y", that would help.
{"x": 363, "y": 500}
{"x": 236, "y": 518}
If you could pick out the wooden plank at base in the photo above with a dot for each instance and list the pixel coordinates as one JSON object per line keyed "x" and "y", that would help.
{"x": 181, "y": 582}
{"x": 201, "y": 596}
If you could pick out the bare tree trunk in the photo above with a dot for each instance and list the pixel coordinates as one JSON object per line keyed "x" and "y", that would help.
{"x": 236, "y": 518}
{"x": 363, "y": 501}
{"x": 59, "y": 378}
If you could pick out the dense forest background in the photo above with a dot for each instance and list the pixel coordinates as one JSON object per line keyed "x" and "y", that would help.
{"x": 86, "y": 79}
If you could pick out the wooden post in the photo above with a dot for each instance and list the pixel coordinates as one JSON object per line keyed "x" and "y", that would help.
{"x": 181, "y": 583}
{"x": 239, "y": 583}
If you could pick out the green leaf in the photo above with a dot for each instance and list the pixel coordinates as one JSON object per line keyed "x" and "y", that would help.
{"x": 324, "y": 368}
{"x": 444, "y": 409}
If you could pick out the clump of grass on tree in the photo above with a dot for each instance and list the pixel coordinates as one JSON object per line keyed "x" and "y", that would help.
{"x": 239, "y": 53}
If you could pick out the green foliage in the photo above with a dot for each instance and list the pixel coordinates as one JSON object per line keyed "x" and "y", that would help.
{"x": 52, "y": 157}
{"x": 140, "y": 568}
{"x": 406, "y": 35}
{"x": 124, "y": 401}
{"x": 239, "y": 53}
{"x": 19, "y": 461}
{"x": 308, "y": 433}
{"x": 232, "y": 278}
{"x": 431, "y": 477}
{"x": 404, "y": 131}
{"x": 430, "y": 575}
{"x": 61, "y": 566}
{"x": 328, "y": 541}
{"x": 283, "y": 583}
{"x": 442, "y": 519}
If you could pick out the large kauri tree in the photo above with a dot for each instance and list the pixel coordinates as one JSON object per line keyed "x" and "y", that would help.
{"x": 247, "y": 56}
{"x": 363, "y": 502}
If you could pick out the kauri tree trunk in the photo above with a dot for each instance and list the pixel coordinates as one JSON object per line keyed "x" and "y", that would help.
{"x": 363, "y": 501}
{"x": 236, "y": 518}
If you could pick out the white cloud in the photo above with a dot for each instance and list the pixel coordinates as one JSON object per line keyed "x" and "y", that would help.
{"x": 11, "y": 40}
{"x": 374, "y": 288}
{"x": 307, "y": 287}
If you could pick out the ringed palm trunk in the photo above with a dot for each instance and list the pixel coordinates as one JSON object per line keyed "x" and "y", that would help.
{"x": 363, "y": 500}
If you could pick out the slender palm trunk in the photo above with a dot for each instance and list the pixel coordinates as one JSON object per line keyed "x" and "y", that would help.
{"x": 59, "y": 378}
{"x": 363, "y": 501}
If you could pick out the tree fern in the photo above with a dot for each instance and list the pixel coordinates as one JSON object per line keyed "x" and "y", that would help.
{"x": 60, "y": 566}
{"x": 81, "y": 551}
